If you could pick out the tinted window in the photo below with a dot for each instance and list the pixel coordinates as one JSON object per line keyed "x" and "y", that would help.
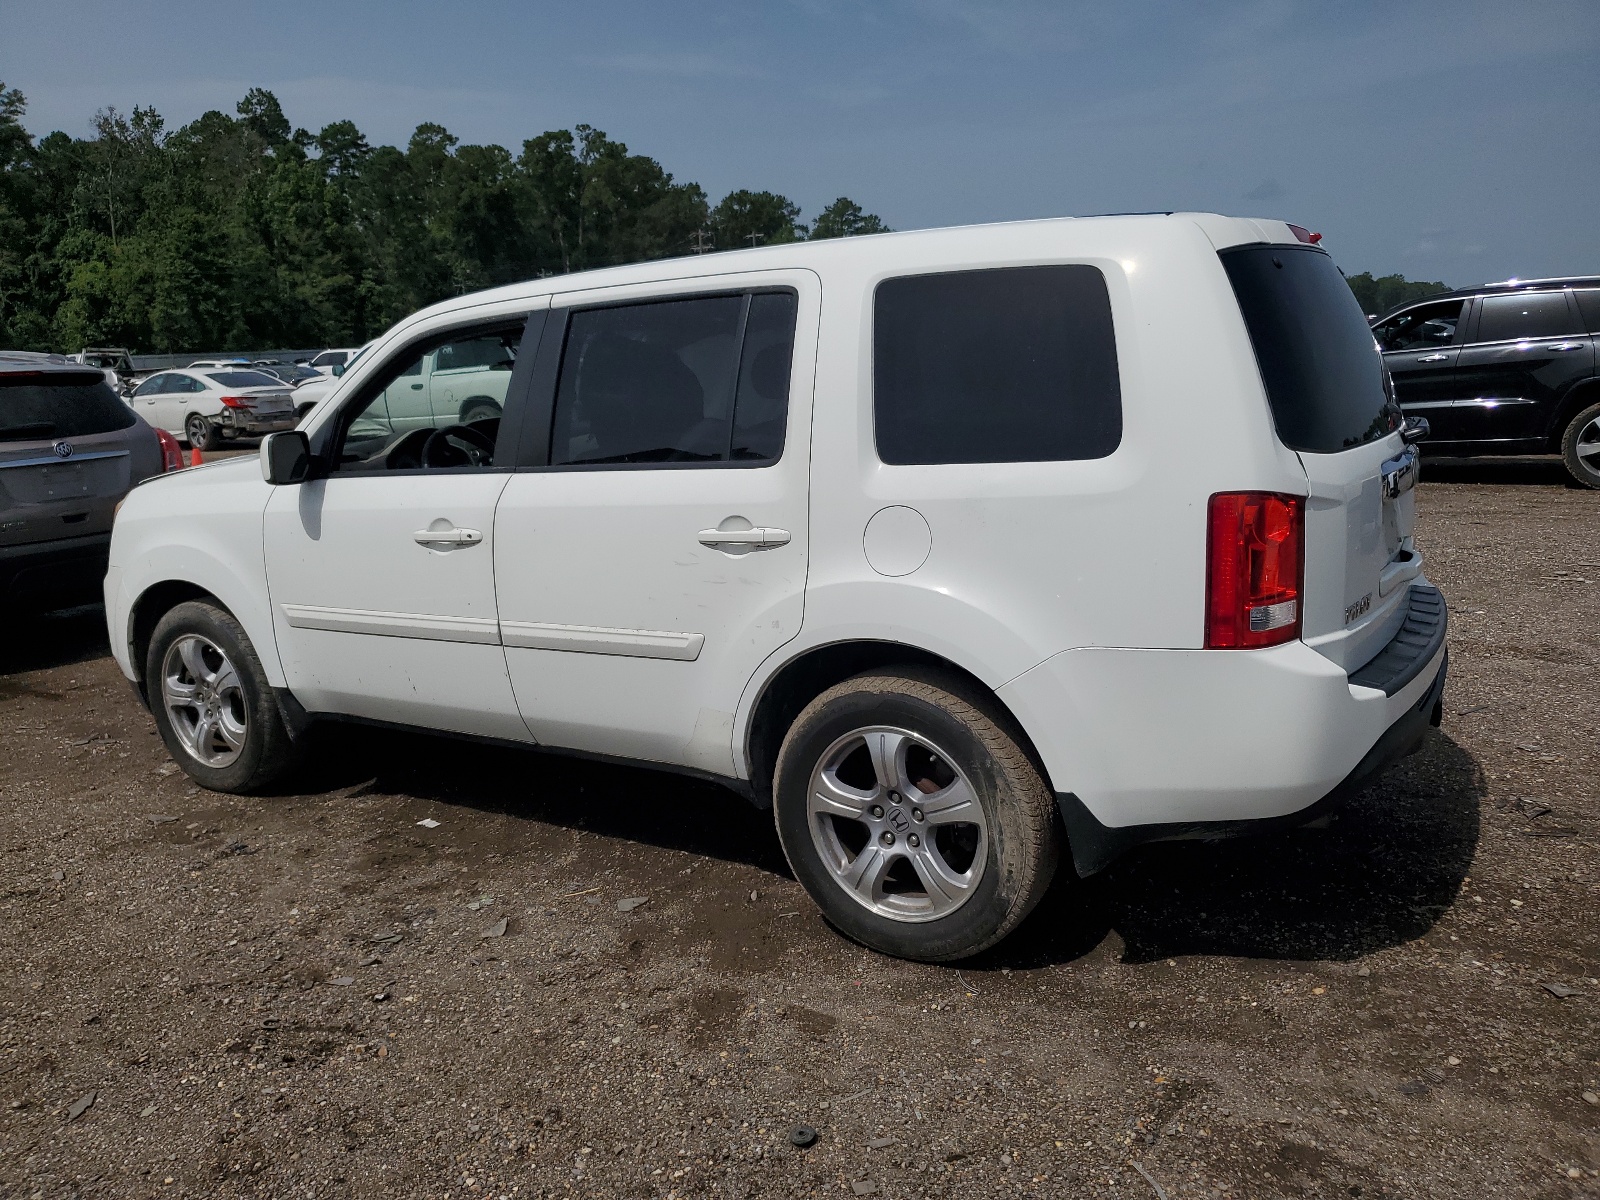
{"x": 244, "y": 379}
{"x": 1589, "y": 306}
{"x": 659, "y": 382}
{"x": 1529, "y": 315}
{"x": 1420, "y": 328}
{"x": 1320, "y": 367}
{"x": 1016, "y": 365}
{"x": 59, "y": 406}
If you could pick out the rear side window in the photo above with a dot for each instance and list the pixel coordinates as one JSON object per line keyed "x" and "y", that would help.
{"x": 1589, "y": 305}
{"x": 1011, "y": 365}
{"x": 1322, "y": 371}
{"x": 676, "y": 381}
{"x": 1529, "y": 315}
{"x": 59, "y": 405}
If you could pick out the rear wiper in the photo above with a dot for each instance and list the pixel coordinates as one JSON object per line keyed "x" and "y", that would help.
{"x": 25, "y": 433}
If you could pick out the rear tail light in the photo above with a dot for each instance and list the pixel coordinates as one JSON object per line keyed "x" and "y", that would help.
{"x": 1255, "y": 543}
{"x": 236, "y": 401}
{"x": 171, "y": 452}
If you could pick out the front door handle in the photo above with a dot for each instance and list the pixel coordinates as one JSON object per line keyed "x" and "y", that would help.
{"x": 447, "y": 537}
{"x": 1433, "y": 358}
{"x": 754, "y": 539}
{"x": 1565, "y": 346}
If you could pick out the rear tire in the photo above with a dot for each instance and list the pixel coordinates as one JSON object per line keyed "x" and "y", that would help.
{"x": 1580, "y": 447}
{"x": 201, "y": 433}
{"x": 212, "y": 703}
{"x": 913, "y": 817}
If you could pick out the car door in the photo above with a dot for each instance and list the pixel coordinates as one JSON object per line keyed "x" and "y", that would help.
{"x": 654, "y": 551}
{"x": 1526, "y": 349}
{"x": 381, "y": 572}
{"x": 146, "y": 397}
{"x": 174, "y": 401}
{"x": 1420, "y": 350}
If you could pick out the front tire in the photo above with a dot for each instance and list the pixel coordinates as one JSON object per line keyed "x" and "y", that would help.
{"x": 913, "y": 817}
{"x": 212, "y": 703}
{"x": 1580, "y": 447}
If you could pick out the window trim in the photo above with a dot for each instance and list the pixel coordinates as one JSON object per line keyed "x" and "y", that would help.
{"x": 328, "y": 438}
{"x": 538, "y": 435}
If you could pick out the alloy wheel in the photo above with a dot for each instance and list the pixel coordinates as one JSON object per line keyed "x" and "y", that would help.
{"x": 1588, "y": 446}
{"x": 898, "y": 825}
{"x": 204, "y": 699}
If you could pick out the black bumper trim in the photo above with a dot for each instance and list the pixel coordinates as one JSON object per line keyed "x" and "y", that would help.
{"x": 1413, "y": 647}
{"x": 64, "y": 569}
{"x": 1095, "y": 846}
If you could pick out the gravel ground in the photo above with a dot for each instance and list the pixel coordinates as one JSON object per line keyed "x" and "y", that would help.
{"x": 315, "y": 995}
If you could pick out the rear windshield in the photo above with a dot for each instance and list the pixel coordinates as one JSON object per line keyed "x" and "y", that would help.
{"x": 59, "y": 405}
{"x": 1321, "y": 369}
{"x": 244, "y": 379}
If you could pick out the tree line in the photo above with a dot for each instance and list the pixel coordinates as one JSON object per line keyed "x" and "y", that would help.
{"x": 241, "y": 232}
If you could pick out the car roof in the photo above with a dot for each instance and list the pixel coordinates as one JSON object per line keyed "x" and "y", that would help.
{"x": 1502, "y": 288}
{"x": 19, "y": 362}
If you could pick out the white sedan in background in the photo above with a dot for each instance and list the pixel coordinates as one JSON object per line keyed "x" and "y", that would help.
{"x": 207, "y": 407}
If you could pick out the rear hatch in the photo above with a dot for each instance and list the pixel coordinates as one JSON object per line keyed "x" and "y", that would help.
{"x": 1333, "y": 405}
{"x": 69, "y": 450}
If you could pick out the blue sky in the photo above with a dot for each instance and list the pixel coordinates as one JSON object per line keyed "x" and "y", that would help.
{"x": 1450, "y": 141}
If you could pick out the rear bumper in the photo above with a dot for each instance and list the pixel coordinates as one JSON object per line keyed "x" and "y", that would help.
{"x": 1095, "y": 846}
{"x": 56, "y": 573}
{"x": 248, "y": 424}
{"x": 1145, "y": 745}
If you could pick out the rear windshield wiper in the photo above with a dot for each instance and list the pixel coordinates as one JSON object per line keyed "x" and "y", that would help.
{"x": 26, "y": 433}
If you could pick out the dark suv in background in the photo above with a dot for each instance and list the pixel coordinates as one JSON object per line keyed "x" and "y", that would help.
{"x": 1505, "y": 368}
{"x": 69, "y": 451}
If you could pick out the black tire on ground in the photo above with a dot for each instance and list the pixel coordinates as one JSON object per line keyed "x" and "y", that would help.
{"x": 1018, "y": 808}
{"x": 1583, "y": 433}
{"x": 200, "y": 433}
{"x": 267, "y": 752}
{"x": 478, "y": 409}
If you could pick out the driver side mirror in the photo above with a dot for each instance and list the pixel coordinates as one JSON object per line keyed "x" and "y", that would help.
{"x": 285, "y": 458}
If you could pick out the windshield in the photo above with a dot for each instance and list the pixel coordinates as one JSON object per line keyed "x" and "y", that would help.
{"x": 1322, "y": 371}
{"x": 244, "y": 379}
{"x": 42, "y": 405}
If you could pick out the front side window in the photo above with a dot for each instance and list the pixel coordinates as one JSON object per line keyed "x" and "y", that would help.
{"x": 1010, "y": 365}
{"x": 1528, "y": 315}
{"x": 1421, "y": 328}
{"x": 405, "y": 419}
{"x": 155, "y": 385}
{"x": 702, "y": 380}
{"x": 481, "y": 353}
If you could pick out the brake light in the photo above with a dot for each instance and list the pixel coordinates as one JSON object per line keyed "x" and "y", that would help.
{"x": 1305, "y": 235}
{"x": 171, "y": 452}
{"x": 235, "y": 401}
{"x": 1255, "y": 543}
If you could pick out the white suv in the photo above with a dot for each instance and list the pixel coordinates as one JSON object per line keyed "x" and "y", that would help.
{"x": 961, "y": 549}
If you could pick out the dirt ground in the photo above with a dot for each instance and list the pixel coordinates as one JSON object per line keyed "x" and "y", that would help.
{"x": 304, "y": 996}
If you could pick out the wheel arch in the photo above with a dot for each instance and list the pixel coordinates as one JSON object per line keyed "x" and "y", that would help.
{"x": 808, "y": 674}
{"x": 152, "y": 604}
{"x": 1579, "y": 397}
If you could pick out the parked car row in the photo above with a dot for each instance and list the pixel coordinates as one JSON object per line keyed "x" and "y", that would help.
{"x": 1505, "y": 368}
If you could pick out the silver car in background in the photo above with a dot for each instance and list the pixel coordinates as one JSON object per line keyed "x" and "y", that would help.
{"x": 69, "y": 451}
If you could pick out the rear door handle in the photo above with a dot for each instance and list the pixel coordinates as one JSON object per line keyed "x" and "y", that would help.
{"x": 756, "y": 539}
{"x": 1433, "y": 358}
{"x": 448, "y": 537}
{"x": 1565, "y": 346}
